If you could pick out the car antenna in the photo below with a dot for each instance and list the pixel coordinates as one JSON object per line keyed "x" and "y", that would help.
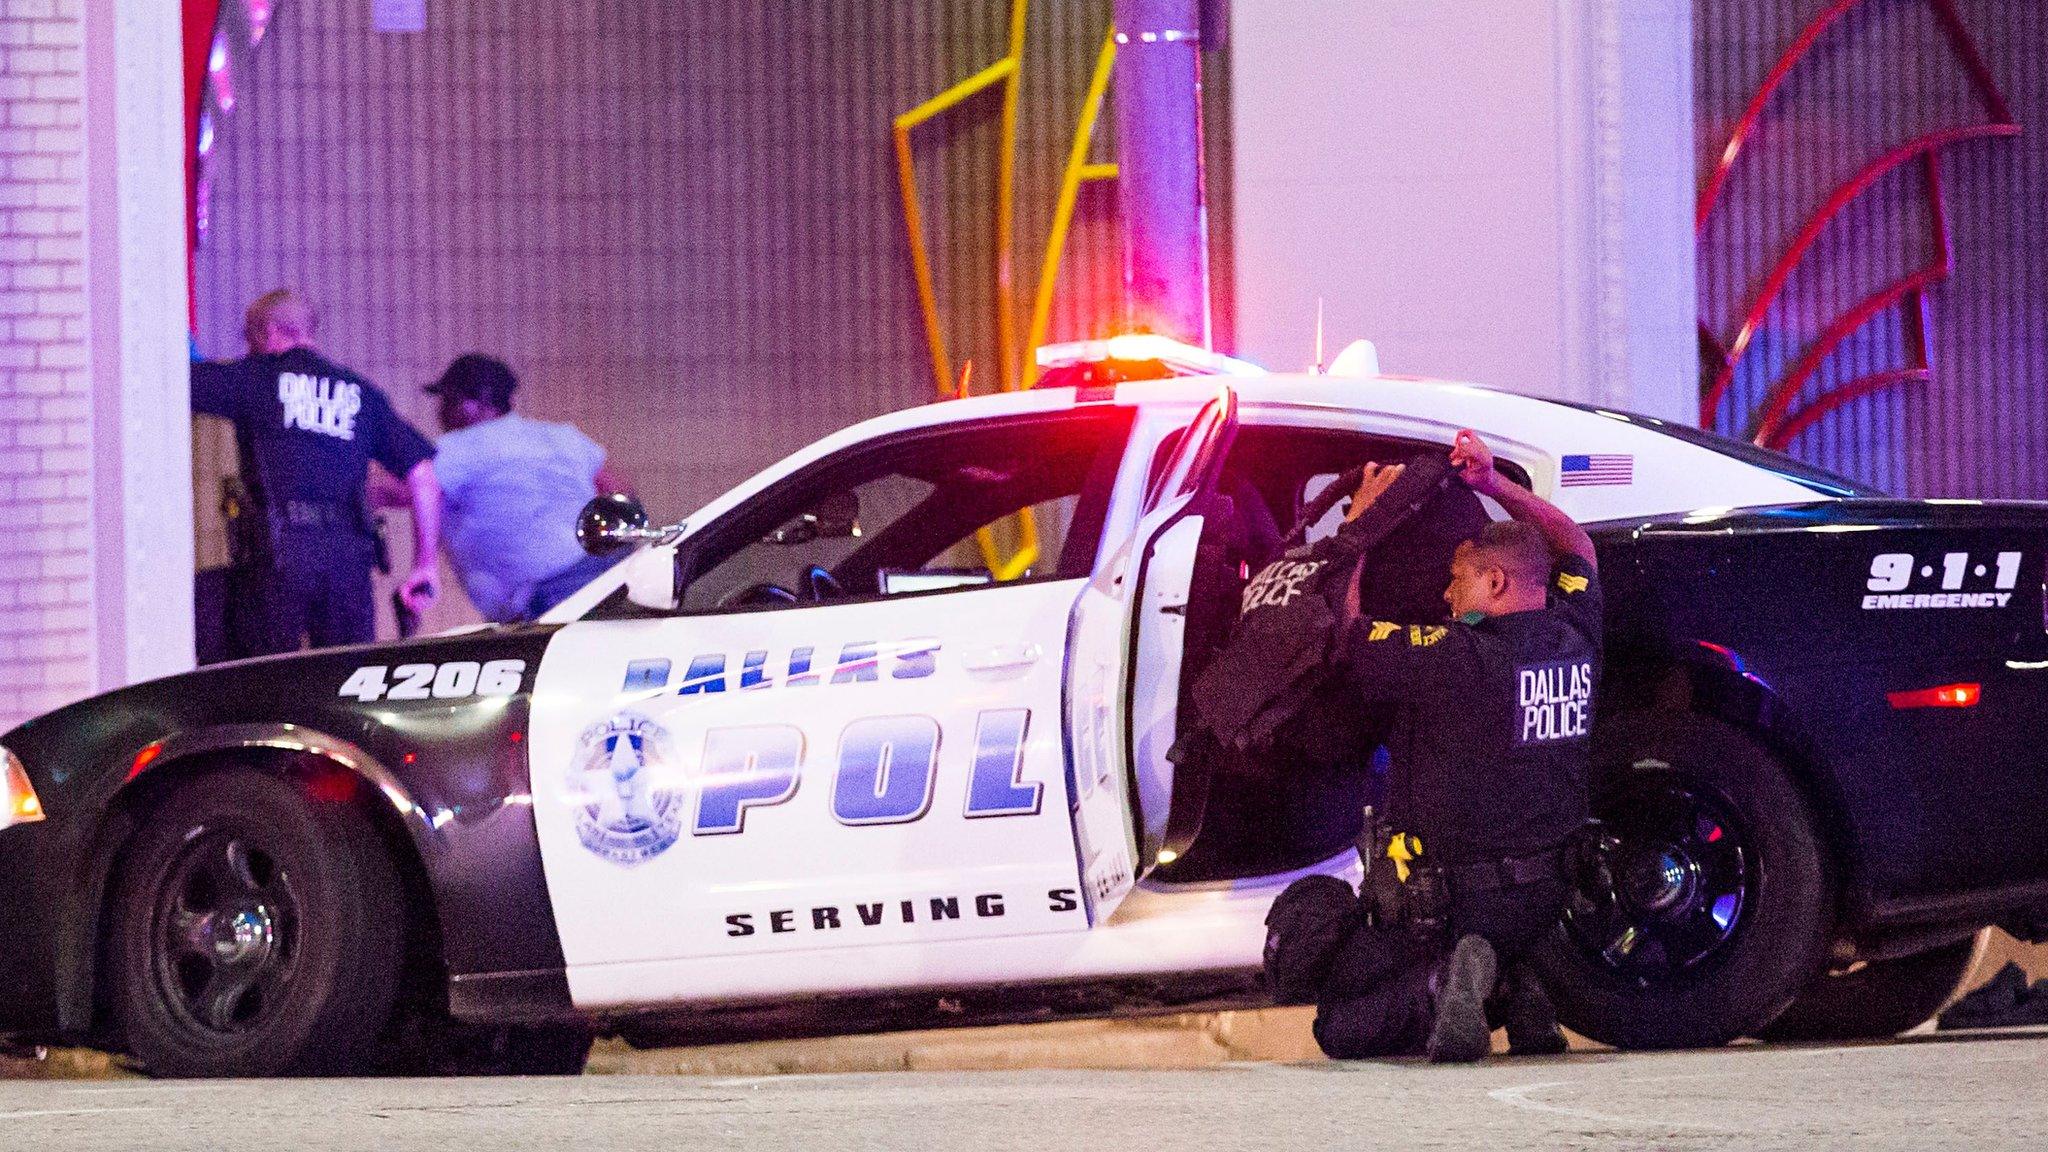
{"x": 1319, "y": 335}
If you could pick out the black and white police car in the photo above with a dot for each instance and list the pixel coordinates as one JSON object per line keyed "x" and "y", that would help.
{"x": 851, "y": 750}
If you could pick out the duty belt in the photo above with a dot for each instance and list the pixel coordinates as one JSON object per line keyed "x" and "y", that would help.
{"x": 1513, "y": 872}
{"x": 321, "y": 514}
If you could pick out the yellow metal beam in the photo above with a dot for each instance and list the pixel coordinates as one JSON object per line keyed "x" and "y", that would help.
{"x": 1006, "y": 206}
{"x": 1007, "y": 72}
{"x": 959, "y": 93}
{"x": 1078, "y": 169}
{"x": 920, "y": 260}
{"x": 1017, "y": 367}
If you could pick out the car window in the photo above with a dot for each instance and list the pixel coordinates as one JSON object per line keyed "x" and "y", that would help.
{"x": 822, "y": 535}
{"x": 951, "y": 509}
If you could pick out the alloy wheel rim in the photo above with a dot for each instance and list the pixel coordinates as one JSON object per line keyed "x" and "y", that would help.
{"x": 1679, "y": 877}
{"x": 225, "y": 940}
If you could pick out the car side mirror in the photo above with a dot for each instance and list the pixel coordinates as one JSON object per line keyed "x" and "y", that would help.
{"x": 651, "y": 578}
{"x": 612, "y": 522}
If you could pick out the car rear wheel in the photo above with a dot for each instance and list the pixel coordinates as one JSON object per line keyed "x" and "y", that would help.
{"x": 256, "y": 929}
{"x": 1714, "y": 907}
{"x": 1876, "y": 1000}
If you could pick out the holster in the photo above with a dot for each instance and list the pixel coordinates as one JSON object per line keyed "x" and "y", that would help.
{"x": 252, "y": 528}
{"x": 380, "y": 548}
{"x": 1586, "y": 859}
{"x": 1419, "y": 904}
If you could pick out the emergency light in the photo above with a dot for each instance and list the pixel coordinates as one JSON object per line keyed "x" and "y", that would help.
{"x": 1185, "y": 359}
{"x": 18, "y": 803}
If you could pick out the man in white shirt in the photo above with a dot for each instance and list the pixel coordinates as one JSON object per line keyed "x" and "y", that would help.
{"x": 511, "y": 488}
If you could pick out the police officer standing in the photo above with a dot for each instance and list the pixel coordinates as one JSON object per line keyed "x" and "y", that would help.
{"x": 306, "y": 430}
{"x": 1488, "y": 782}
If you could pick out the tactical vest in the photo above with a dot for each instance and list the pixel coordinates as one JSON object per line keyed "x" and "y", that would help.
{"x": 1283, "y": 647}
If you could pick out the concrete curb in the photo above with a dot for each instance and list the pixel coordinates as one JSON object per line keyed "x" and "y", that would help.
{"x": 1189, "y": 1040}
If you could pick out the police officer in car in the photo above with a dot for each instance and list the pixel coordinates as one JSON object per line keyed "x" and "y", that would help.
{"x": 306, "y": 430}
{"x": 1488, "y": 784}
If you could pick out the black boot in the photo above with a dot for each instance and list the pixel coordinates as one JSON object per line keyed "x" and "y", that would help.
{"x": 1460, "y": 1034}
{"x": 1530, "y": 1017}
{"x": 1306, "y": 923}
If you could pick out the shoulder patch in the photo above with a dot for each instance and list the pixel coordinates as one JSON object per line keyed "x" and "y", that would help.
{"x": 1422, "y": 636}
{"x": 1569, "y": 584}
{"x": 1381, "y": 629}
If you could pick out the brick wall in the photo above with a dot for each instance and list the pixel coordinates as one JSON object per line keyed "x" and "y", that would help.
{"x": 46, "y": 623}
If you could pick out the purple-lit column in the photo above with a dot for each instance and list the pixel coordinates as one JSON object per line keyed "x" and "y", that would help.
{"x": 1158, "y": 107}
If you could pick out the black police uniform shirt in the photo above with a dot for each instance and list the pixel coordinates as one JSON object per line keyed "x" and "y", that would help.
{"x": 1489, "y": 746}
{"x": 307, "y": 428}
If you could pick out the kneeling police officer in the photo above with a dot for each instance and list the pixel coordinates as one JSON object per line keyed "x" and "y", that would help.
{"x": 1487, "y": 785}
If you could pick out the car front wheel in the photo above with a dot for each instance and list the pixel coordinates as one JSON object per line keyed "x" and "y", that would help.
{"x": 1713, "y": 907}
{"x": 256, "y": 929}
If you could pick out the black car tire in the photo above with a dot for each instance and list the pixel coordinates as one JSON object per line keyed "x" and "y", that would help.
{"x": 1877, "y": 1000}
{"x": 318, "y": 937}
{"x": 1775, "y": 938}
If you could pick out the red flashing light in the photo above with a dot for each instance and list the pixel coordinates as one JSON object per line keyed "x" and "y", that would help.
{"x": 1946, "y": 696}
{"x": 332, "y": 788}
{"x": 144, "y": 757}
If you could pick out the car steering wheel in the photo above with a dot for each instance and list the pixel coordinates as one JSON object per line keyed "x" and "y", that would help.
{"x": 822, "y": 585}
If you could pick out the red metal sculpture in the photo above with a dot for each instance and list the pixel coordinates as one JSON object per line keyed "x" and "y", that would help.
{"x": 1776, "y": 423}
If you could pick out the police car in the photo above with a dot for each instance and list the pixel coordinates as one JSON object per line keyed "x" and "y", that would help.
{"x": 879, "y": 738}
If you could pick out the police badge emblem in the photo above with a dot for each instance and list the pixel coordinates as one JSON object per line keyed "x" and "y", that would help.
{"x": 627, "y": 793}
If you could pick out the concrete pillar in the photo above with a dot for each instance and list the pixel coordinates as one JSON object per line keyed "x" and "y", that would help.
{"x": 1498, "y": 191}
{"x": 1158, "y": 108}
{"x": 141, "y": 379}
{"x": 95, "y": 489}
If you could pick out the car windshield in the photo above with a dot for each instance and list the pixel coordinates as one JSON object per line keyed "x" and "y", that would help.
{"x": 1806, "y": 475}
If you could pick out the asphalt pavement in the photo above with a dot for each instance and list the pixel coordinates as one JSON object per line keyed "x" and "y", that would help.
{"x": 1978, "y": 1091}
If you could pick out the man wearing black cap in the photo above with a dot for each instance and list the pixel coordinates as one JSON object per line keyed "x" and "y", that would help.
{"x": 511, "y": 488}
{"x": 306, "y": 430}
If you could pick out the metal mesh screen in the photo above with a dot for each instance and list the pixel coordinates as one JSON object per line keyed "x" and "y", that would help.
{"x": 1881, "y": 76}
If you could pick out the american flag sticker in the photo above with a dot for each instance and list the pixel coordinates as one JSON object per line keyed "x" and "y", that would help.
{"x": 1599, "y": 469}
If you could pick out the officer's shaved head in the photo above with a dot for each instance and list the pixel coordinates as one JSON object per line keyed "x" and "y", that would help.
{"x": 1505, "y": 568}
{"x": 1515, "y": 548}
{"x": 279, "y": 321}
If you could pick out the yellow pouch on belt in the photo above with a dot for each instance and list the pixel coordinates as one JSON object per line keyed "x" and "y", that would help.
{"x": 1403, "y": 849}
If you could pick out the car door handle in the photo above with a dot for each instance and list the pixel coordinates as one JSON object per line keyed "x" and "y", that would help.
{"x": 1003, "y": 657}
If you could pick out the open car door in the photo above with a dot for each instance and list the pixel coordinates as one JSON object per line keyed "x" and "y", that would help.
{"x": 1124, "y": 660}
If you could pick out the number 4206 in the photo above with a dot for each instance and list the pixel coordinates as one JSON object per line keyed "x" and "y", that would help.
{"x": 453, "y": 680}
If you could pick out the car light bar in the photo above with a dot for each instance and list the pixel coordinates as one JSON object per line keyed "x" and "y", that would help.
{"x": 1946, "y": 696}
{"x": 18, "y": 803}
{"x": 1186, "y": 358}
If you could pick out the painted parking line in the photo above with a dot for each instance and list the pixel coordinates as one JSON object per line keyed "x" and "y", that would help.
{"x": 34, "y": 1112}
{"x": 1518, "y": 1097}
